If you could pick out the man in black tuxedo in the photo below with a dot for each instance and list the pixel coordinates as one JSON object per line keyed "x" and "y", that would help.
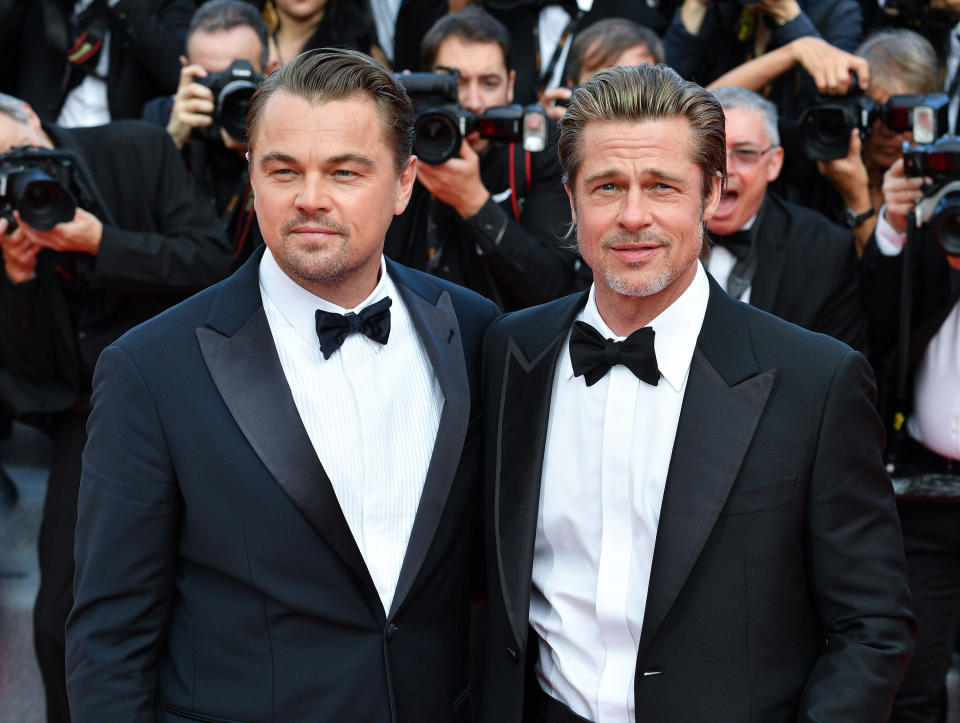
{"x": 693, "y": 523}
{"x": 776, "y": 255}
{"x": 276, "y": 513}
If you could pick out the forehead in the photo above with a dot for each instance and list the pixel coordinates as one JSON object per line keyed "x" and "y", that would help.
{"x": 471, "y": 57}
{"x": 881, "y": 89}
{"x": 636, "y": 148}
{"x": 306, "y": 130}
{"x": 635, "y": 55}
{"x": 215, "y": 51}
{"x": 745, "y": 125}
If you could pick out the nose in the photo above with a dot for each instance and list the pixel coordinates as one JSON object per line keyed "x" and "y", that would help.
{"x": 313, "y": 196}
{"x": 470, "y": 97}
{"x": 635, "y": 212}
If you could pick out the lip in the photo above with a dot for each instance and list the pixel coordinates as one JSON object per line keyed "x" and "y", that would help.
{"x": 635, "y": 253}
{"x": 313, "y": 231}
{"x": 728, "y": 204}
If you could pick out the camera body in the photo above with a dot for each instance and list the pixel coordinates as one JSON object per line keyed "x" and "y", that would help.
{"x": 825, "y": 129}
{"x": 36, "y": 182}
{"x": 232, "y": 89}
{"x": 440, "y": 124}
{"x": 939, "y": 209}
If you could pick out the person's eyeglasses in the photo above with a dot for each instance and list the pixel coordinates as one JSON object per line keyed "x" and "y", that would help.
{"x": 747, "y": 156}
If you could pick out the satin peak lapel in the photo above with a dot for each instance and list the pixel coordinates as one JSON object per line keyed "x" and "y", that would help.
{"x": 718, "y": 419}
{"x": 247, "y": 372}
{"x": 439, "y": 332}
{"x": 524, "y": 412}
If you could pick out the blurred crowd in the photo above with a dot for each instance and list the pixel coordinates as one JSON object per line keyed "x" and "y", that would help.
{"x": 124, "y": 189}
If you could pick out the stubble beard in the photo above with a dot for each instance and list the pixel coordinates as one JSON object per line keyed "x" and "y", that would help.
{"x": 653, "y": 280}
{"x": 315, "y": 264}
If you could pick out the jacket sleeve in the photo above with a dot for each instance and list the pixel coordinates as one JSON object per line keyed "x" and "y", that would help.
{"x": 526, "y": 258}
{"x": 856, "y": 565}
{"x": 189, "y": 249}
{"x": 126, "y": 547}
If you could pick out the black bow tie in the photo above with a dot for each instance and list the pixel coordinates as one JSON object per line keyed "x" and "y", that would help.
{"x": 592, "y": 355}
{"x": 738, "y": 243}
{"x": 373, "y": 322}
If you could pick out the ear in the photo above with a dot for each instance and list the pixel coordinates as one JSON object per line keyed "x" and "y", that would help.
{"x": 573, "y": 204}
{"x": 511, "y": 77}
{"x": 405, "y": 185}
{"x": 775, "y": 165}
{"x": 713, "y": 199}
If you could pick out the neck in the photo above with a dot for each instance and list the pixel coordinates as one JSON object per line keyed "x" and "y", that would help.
{"x": 624, "y": 314}
{"x": 293, "y": 33}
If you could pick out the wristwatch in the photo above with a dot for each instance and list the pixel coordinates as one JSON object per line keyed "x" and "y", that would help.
{"x": 854, "y": 219}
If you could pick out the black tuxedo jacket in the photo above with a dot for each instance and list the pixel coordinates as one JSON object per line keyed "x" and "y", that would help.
{"x": 778, "y": 588}
{"x": 807, "y": 272}
{"x": 217, "y": 578}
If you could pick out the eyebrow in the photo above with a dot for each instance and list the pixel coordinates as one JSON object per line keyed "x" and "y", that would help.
{"x": 655, "y": 172}
{"x": 281, "y": 157}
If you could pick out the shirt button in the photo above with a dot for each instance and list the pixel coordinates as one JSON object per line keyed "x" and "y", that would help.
{"x": 392, "y": 630}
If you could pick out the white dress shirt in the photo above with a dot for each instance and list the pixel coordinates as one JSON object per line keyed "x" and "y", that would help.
{"x": 385, "y": 18}
{"x": 605, "y": 466}
{"x": 553, "y": 20}
{"x": 935, "y": 421}
{"x": 370, "y": 410}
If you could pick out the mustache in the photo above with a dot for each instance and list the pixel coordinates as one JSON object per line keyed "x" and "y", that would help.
{"x": 646, "y": 236}
{"x": 305, "y": 219}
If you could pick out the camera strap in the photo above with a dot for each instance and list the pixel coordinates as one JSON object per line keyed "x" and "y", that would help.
{"x": 903, "y": 345}
{"x": 547, "y": 72}
{"x": 518, "y": 191}
{"x": 88, "y": 32}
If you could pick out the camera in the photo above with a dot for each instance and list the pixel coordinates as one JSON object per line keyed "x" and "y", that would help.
{"x": 825, "y": 129}
{"x": 232, "y": 90}
{"x": 940, "y": 206}
{"x": 36, "y": 183}
{"x": 440, "y": 124}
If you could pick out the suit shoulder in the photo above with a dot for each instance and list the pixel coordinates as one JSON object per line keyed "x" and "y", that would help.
{"x": 535, "y": 323}
{"x": 430, "y": 288}
{"x": 124, "y": 132}
{"x": 776, "y": 339}
{"x": 813, "y": 226}
{"x": 166, "y": 332}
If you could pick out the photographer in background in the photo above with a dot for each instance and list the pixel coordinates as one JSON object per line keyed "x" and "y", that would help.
{"x": 923, "y": 440}
{"x": 710, "y": 37}
{"x": 778, "y": 256}
{"x": 221, "y": 33}
{"x": 138, "y": 245}
{"x": 900, "y": 62}
{"x": 609, "y": 42}
{"x": 489, "y": 218}
{"x": 87, "y": 62}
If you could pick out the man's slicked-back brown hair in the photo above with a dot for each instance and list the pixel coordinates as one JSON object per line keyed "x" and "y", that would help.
{"x": 334, "y": 74}
{"x": 642, "y": 93}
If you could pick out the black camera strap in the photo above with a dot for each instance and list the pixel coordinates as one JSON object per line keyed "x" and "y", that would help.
{"x": 88, "y": 32}
{"x": 547, "y": 72}
{"x": 903, "y": 345}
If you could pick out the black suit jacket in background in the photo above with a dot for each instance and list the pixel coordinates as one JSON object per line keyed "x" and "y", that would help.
{"x": 807, "y": 272}
{"x": 147, "y": 37}
{"x": 778, "y": 586}
{"x": 217, "y": 578}
{"x": 162, "y": 247}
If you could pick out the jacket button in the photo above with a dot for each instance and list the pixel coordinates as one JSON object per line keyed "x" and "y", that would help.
{"x": 392, "y": 629}
{"x": 513, "y": 655}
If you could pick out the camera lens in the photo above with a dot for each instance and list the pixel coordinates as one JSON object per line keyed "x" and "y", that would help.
{"x": 945, "y": 224}
{"x": 232, "y": 107}
{"x": 41, "y": 201}
{"x": 826, "y": 133}
{"x": 436, "y": 137}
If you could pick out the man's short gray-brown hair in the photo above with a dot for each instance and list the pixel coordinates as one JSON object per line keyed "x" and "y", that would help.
{"x": 334, "y": 74}
{"x": 901, "y": 54}
{"x": 14, "y": 108}
{"x": 732, "y": 97}
{"x": 643, "y": 93}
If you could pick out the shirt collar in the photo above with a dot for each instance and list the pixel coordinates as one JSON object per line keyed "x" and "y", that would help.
{"x": 299, "y": 306}
{"x": 676, "y": 329}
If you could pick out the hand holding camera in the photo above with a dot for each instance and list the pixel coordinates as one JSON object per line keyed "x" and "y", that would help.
{"x": 829, "y": 66}
{"x": 456, "y": 182}
{"x": 19, "y": 254}
{"x": 192, "y": 105}
{"x": 900, "y": 195}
